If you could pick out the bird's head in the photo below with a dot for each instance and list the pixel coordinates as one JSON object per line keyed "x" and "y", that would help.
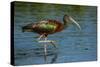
{"x": 68, "y": 19}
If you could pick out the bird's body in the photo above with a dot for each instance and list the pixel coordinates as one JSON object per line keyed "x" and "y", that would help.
{"x": 44, "y": 27}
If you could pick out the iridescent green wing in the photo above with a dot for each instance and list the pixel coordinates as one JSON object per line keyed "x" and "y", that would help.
{"x": 49, "y": 27}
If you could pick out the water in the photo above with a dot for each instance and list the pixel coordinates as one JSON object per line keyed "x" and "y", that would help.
{"x": 73, "y": 46}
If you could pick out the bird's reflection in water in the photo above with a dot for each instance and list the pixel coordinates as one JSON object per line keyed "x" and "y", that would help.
{"x": 52, "y": 54}
{"x": 38, "y": 52}
{"x": 54, "y": 57}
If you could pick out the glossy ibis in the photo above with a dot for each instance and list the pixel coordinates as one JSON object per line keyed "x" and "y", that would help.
{"x": 46, "y": 27}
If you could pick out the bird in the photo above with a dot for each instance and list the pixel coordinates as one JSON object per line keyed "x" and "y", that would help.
{"x": 49, "y": 26}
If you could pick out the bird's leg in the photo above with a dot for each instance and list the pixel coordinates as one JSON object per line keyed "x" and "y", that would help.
{"x": 40, "y": 37}
{"x": 53, "y": 44}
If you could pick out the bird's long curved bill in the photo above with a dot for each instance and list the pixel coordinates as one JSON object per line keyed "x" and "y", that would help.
{"x": 75, "y": 23}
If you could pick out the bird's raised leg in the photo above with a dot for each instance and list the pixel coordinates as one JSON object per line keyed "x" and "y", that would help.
{"x": 53, "y": 44}
{"x": 50, "y": 41}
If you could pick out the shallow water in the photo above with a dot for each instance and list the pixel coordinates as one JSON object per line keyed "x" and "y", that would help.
{"x": 73, "y": 46}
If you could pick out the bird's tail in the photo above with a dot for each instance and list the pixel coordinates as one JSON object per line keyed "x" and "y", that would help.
{"x": 27, "y": 29}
